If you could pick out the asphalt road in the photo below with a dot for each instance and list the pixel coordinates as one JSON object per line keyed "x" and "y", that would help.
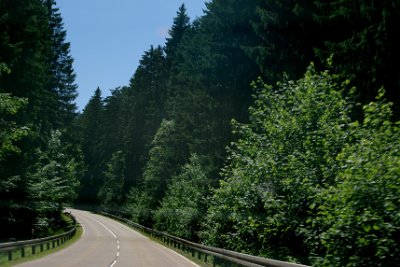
{"x": 108, "y": 243}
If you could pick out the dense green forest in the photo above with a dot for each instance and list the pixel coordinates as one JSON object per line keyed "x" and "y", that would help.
{"x": 265, "y": 127}
{"x": 40, "y": 157}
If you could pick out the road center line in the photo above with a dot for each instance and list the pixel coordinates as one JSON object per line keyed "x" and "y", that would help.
{"x": 116, "y": 238}
{"x": 108, "y": 229}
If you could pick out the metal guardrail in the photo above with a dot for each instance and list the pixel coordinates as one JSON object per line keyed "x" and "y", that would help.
{"x": 10, "y": 248}
{"x": 220, "y": 256}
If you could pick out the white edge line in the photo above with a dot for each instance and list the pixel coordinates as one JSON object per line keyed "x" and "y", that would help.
{"x": 83, "y": 230}
{"x": 183, "y": 257}
{"x": 194, "y": 264}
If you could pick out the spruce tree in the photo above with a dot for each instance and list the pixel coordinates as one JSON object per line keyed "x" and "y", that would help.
{"x": 180, "y": 25}
{"x": 63, "y": 82}
{"x": 91, "y": 125}
{"x": 27, "y": 39}
{"x": 363, "y": 45}
{"x": 146, "y": 101}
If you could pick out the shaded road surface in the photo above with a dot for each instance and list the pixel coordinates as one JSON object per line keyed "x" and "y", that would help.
{"x": 108, "y": 243}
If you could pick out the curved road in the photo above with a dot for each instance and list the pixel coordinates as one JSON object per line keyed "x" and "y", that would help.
{"x": 108, "y": 243}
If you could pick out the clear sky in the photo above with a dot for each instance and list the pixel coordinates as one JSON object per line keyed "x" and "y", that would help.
{"x": 108, "y": 37}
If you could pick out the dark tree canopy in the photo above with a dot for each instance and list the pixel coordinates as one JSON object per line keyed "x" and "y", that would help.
{"x": 39, "y": 163}
{"x": 264, "y": 126}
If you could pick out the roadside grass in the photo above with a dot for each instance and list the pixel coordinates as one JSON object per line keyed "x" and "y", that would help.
{"x": 17, "y": 259}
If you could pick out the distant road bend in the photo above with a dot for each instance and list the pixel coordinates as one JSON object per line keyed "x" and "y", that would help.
{"x": 108, "y": 243}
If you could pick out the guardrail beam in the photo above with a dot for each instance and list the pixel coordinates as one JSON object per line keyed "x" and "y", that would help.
{"x": 220, "y": 256}
{"x": 10, "y": 247}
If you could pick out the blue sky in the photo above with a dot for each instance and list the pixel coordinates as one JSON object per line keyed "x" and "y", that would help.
{"x": 108, "y": 37}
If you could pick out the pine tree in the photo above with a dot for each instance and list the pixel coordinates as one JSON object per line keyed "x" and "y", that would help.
{"x": 288, "y": 35}
{"x": 147, "y": 95}
{"x": 114, "y": 122}
{"x": 63, "y": 82}
{"x": 363, "y": 45}
{"x": 180, "y": 25}
{"x": 91, "y": 125}
{"x": 27, "y": 39}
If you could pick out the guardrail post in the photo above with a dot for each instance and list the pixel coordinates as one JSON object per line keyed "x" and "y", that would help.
{"x": 10, "y": 255}
{"x": 213, "y": 256}
{"x": 33, "y": 250}
{"x": 41, "y": 247}
{"x": 48, "y": 245}
{"x": 23, "y": 252}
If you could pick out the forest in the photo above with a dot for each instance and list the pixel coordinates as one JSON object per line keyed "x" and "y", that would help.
{"x": 265, "y": 127}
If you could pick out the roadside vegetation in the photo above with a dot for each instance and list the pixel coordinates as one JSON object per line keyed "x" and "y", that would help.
{"x": 265, "y": 127}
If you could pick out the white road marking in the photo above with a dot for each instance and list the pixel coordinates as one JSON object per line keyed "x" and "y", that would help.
{"x": 183, "y": 257}
{"x": 115, "y": 236}
{"x": 108, "y": 229}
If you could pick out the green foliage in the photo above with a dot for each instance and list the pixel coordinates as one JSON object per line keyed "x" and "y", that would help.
{"x": 182, "y": 209}
{"x": 292, "y": 165}
{"x": 111, "y": 191}
{"x": 91, "y": 122}
{"x": 288, "y": 36}
{"x": 53, "y": 182}
{"x": 360, "y": 215}
{"x": 180, "y": 26}
{"x": 282, "y": 160}
{"x": 10, "y": 134}
{"x": 142, "y": 201}
{"x": 10, "y": 131}
{"x": 63, "y": 80}
{"x": 145, "y": 108}
{"x": 357, "y": 28}
{"x": 35, "y": 75}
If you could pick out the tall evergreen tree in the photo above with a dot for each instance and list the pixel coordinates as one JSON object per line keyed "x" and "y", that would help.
{"x": 63, "y": 82}
{"x": 91, "y": 125}
{"x": 29, "y": 43}
{"x": 180, "y": 25}
{"x": 147, "y": 93}
{"x": 288, "y": 36}
{"x": 363, "y": 45}
{"x": 115, "y": 122}
{"x": 27, "y": 39}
